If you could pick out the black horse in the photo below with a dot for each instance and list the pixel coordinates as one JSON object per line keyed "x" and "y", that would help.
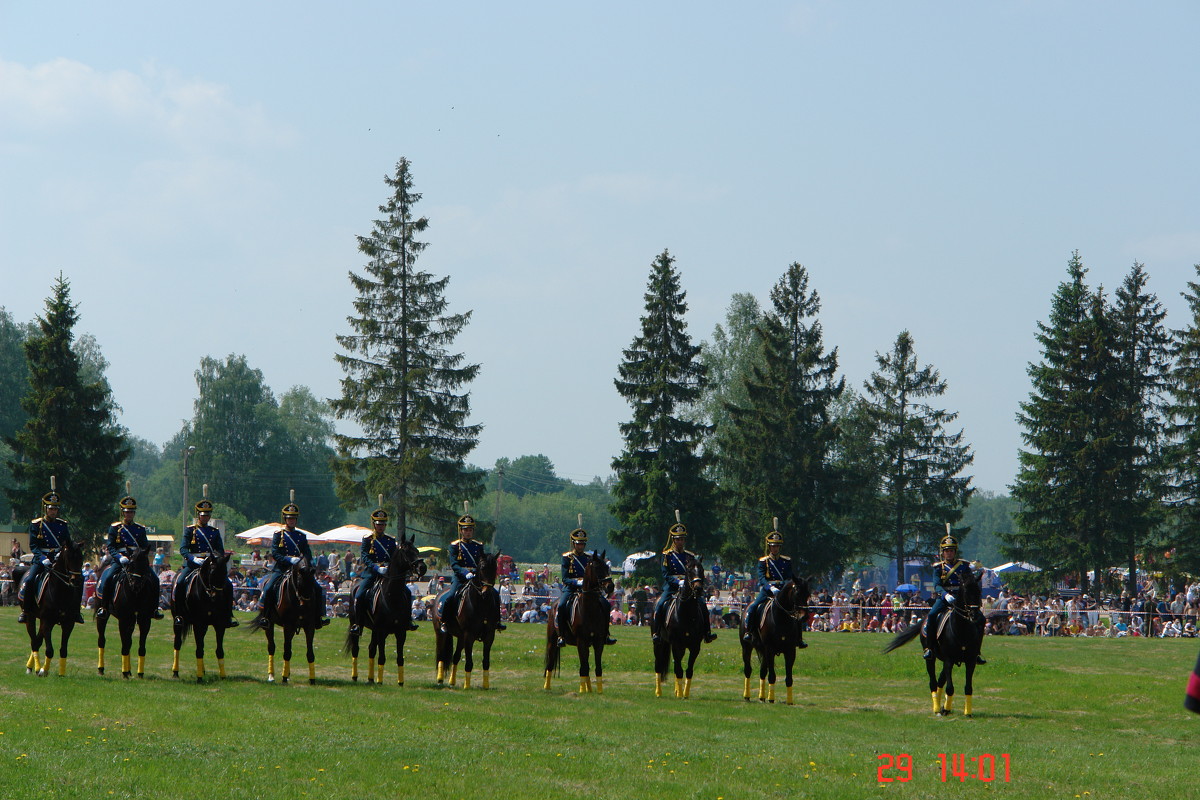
{"x": 588, "y": 613}
{"x": 956, "y": 641}
{"x": 683, "y": 631}
{"x": 476, "y": 616}
{"x": 387, "y": 610}
{"x": 296, "y": 607}
{"x": 55, "y": 602}
{"x": 780, "y": 630}
{"x": 134, "y": 601}
{"x": 204, "y": 601}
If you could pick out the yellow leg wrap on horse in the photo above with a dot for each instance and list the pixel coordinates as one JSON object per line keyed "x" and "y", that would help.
{"x": 584, "y": 685}
{"x": 679, "y": 687}
{"x": 100, "y": 661}
{"x": 453, "y": 674}
{"x": 789, "y": 693}
{"x": 62, "y": 666}
{"x": 270, "y": 666}
{"x": 312, "y": 672}
{"x": 370, "y": 669}
{"x": 948, "y": 704}
{"x": 762, "y": 689}
{"x": 199, "y": 667}
{"x": 141, "y": 665}
{"x": 441, "y": 671}
{"x": 287, "y": 669}
{"x": 599, "y": 685}
{"x": 221, "y": 667}
{"x": 937, "y": 703}
{"x": 658, "y": 684}
{"x": 466, "y": 680}
{"x": 354, "y": 668}
{"x": 745, "y": 688}
{"x": 31, "y": 662}
{"x": 687, "y": 688}
{"x": 124, "y": 663}
{"x": 399, "y": 674}
{"x": 175, "y": 662}
{"x": 771, "y": 693}
{"x": 487, "y": 679}
{"x": 546, "y": 682}
{"x": 379, "y": 672}
{"x": 967, "y": 706}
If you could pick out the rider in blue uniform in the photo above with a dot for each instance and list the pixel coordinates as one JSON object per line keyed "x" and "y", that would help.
{"x": 288, "y": 547}
{"x": 774, "y": 570}
{"x": 198, "y": 543}
{"x": 574, "y": 565}
{"x": 466, "y": 556}
{"x": 47, "y": 535}
{"x": 375, "y": 554}
{"x": 124, "y": 537}
{"x": 675, "y": 563}
{"x": 948, "y": 577}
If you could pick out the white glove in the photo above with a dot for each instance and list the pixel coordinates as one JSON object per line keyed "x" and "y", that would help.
{"x": 381, "y": 569}
{"x": 949, "y": 597}
{"x": 774, "y": 590}
{"x": 124, "y": 560}
{"x": 294, "y": 559}
{"x": 45, "y": 562}
{"x": 470, "y": 575}
{"x": 198, "y": 560}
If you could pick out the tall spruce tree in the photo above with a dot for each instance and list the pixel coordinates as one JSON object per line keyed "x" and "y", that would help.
{"x": 920, "y": 461}
{"x": 661, "y": 469}
{"x": 780, "y": 443}
{"x": 70, "y": 431}
{"x": 403, "y": 385}
{"x": 1141, "y": 358}
{"x": 1067, "y": 471}
{"x": 1183, "y": 450}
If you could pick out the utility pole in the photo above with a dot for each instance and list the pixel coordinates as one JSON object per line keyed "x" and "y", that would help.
{"x": 496, "y": 516}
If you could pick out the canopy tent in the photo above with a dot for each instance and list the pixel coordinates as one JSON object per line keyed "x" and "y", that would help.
{"x": 349, "y": 534}
{"x": 630, "y": 562}
{"x": 1015, "y": 566}
{"x": 263, "y": 533}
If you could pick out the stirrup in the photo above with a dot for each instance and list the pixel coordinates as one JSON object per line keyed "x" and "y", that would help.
{"x": 800, "y": 645}
{"x": 21, "y": 617}
{"x": 927, "y": 654}
{"x": 232, "y": 623}
{"x": 79, "y": 618}
{"x": 158, "y": 614}
{"x": 442, "y": 628}
{"x": 321, "y": 623}
{"x": 979, "y": 660}
{"x": 610, "y": 640}
{"x": 500, "y": 626}
{"x": 710, "y": 637}
{"x": 412, "y": 626}
{"x": 101, "y": 612}
{"x": 560, "y": 642}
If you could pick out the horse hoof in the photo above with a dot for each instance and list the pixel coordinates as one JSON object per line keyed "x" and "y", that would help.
{"x": 141, "y": 676}
{"x": 28, "y": 671}
{"x": 370, "y": 681}
{"x": 199, "y": 679}
{"x": 284, "y": 681}
{"x": 125, "y": 675}
{"x": 175, "y": 674}
{"x": 354, "y": 678}
{"x": 270, "y": 679}
{"x": 100, "y": 670}
{"x": 312, "y": 681}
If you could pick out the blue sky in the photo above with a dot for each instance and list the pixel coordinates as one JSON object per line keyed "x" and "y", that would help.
{"x": 199, "y": 173}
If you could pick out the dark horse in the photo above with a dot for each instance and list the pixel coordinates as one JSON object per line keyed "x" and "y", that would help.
{"x": 204, "y": 602}
{"x": 476, "y": 616}
{"x": 134, "y": 601}
{"x": 588, "y": 613}
{"x": 780, "y": 630}
{"x": 387, "y": 610}
{"x": 682, "y": 631}
{"x": 296, "y": 607}
{"x": 55, "y": 602}
{"x": 955, "y": 642}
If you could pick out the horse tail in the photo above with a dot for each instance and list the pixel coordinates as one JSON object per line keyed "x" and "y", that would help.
{"x": 259, "y": 623}
{"x": 903, "y": 637}
{"x": 552, "y": 656}
{"x": 348, "y": 645}
{"x": 183, "y": 633}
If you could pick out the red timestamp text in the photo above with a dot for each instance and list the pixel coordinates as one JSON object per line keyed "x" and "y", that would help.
{"x": 985, "y": 767}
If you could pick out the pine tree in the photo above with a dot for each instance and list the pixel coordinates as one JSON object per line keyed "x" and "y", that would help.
{"x": 661, "y": 469}
{"x": 1183, "y": 452}
{"x": 781, "y": 441}
{"x": 402, "y": 382}
{"x": 1067, "y": 475}
{"x": 920, "y": 461}
{"x": 70, "y": 431}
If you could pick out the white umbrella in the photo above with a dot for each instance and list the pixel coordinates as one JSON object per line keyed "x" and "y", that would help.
{"x": 349, "y": 534}
{"x": 630, "y": 562}
{"x": 268, "y": 530}
{"x": 1016, "y": 566}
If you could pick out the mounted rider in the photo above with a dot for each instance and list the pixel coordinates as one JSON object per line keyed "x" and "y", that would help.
{"x": 949, "y": 576}
{"x": 574, "y": 566}
{"x": 774, "y": 570}
{"x": 288, "y": 546}
{"x": 675, "y": 563}
{"x": 124, "y": 537}
{"x": 199, "y": 543}
{"x": 48, "y": 534}
{"x": 375, "y": 554}
{"x": 466, "y": 556}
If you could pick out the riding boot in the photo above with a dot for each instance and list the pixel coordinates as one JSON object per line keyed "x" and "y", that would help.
{"x": 158, "y": 614}
{"x": 101, "y": 608}
{"x": 751, "y": 627}
{"x": 412, "y": 626}
{"x": 610, "y": 640}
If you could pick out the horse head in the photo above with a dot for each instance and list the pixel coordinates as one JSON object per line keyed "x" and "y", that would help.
{"x": 794, "y": 597}
{"x": 488, "y": 569}
{"x": 69, "y": 560}
{"x": 595, "y": 574}
{"x": 404, "y": 558}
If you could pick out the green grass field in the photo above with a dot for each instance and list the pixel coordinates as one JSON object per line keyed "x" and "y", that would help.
{"x": 1078, "y": 718}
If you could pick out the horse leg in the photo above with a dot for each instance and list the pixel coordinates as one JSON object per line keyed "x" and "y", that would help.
{"x": 934, "y": 690}
{"x": 401, "y": 635}
{"x": 219, "y": 635}
{"x": 693, "y": 652}
{"x": 64, "y": 638}
{"x": 469, "y": 667}
{"x": 101, "y": 626}
{"x": 288, "y": 633}
{"x": 677, "y": 650}
{"x": 143, "y": 631}
{"x": 967, "y": 689}
{"x": 269, "y": 630}
{"x": 311, "y": 655}
{"x": 488, "y": 638}
{"x": 766, "y": 661}
{"x": 32, "y": 627}
{"x": 661, "y": 655}
{"x": 381, "y": 651}
{"x": 199, "y": 628}
{"x": 948, "y": 673}
{"x": 600, "y": 664}
{"x": 371, "y": 647}
{"x": 352, "y": 643}
{"x": 125, "y": 626}
{"x": 458, "y": 651}
{"x": 747, "y": 649}
{"x": 789, "y": 660}
{"x": 178, "y": 628}
{"x": 584, "y": 650}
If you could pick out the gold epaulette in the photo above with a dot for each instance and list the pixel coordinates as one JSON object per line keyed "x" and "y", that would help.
{"x": 457, "y": 541}
{"x": 37, "y": 521}
{"x": 568, "y": 553}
